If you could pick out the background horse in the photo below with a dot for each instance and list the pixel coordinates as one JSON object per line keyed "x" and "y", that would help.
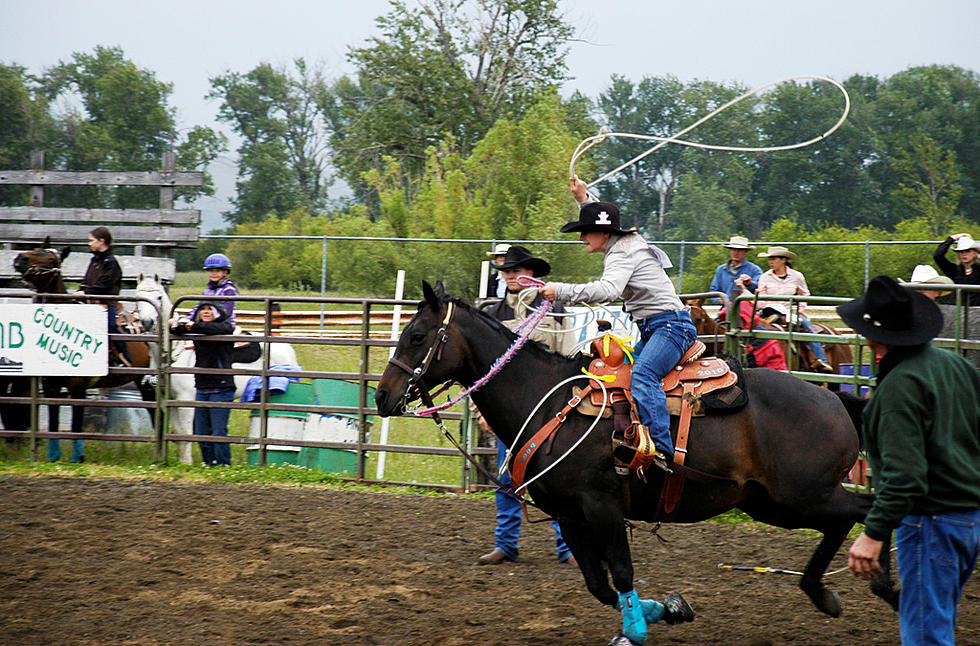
{"x": 41, "y": 270}
{"x": 757, "y": 449}
{"x": 802, "y": 356}
{"x": 182, "y": 356}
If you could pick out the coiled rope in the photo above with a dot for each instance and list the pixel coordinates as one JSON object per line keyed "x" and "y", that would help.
{"x": 676, "y": 139}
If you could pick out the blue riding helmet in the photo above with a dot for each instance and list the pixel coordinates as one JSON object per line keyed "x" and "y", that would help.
{"x": 217, "y": 261}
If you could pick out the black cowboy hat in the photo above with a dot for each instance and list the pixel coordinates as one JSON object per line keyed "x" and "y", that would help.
{"x": 597, "y": 216}
{"x": 518, "y": 256}
{"x": 890, "y": 314}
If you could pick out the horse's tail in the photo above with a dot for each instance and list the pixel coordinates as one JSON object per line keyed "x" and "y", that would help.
{"x": 854, "y": 406}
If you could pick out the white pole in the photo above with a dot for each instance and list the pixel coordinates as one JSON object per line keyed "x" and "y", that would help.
{"x": 396, "y": 320}
{"x": 484, "y": 278}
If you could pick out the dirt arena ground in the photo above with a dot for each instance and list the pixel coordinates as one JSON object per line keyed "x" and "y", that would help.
{"x": 138, "y": 562}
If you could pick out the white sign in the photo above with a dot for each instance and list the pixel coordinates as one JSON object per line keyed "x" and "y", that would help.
{"x": 43, "y": 340}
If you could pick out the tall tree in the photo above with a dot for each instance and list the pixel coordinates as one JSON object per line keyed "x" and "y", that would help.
{"x": 448, "y": 67}
{"x": 123, "y": 123}
{"x": 283, "y": 156}
{"x": 25, "y": 125}
{"x": 928, "y": 183}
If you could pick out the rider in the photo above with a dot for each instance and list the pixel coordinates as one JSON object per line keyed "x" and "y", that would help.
{"x": 636, "y": 273}
{"x": 104, "y": 277}
{"x": 218, "y": 266}
{"x": 783, "y": 280}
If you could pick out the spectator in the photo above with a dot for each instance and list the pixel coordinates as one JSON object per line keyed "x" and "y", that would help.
{"x": 926, "y": 274}
{"x": 967, "y": 271}
{"x": 635, "y": 272}
{"x": 518, "y": 261}
{"x": 738, "y": 272}
{"x": 103, "y": 277}
{"x": 495, "y": 286}
{"x": 218, "y": 266}
{"x": 923, "y": 443}
{"x": 783, "y": 280}
{"x": 210, "y": 319}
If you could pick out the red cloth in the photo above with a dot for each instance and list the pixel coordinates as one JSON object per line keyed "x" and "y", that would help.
{"x": 763, "y": 353}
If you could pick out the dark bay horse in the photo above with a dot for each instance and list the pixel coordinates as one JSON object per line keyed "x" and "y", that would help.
{"x": 798, "y": 357}
{"x": 40, "y": 268}
{"x": 759, "y": 448}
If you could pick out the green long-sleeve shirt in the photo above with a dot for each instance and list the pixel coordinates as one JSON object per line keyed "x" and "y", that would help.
{"x": 922, "y": 434}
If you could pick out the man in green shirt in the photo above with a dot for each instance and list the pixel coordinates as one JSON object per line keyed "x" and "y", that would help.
{"x": 922, "y": 435}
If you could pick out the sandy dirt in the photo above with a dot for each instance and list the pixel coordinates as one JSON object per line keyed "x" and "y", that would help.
{"x": 137, "y": 562}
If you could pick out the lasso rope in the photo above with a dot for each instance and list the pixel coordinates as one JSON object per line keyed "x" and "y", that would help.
{"x": 530, "y": 323}
{"x": 675, "y": 139}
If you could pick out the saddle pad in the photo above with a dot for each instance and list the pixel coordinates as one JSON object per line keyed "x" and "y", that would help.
{"x": 705, "y": 370}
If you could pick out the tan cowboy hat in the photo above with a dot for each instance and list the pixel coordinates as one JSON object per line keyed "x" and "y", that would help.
{"x": 499, "y": 250}
{"x": 778, "y": 251}
{"x": 966, "y": 242}
{"x": 738, "y": 242}
{"x": 928, "y": 274}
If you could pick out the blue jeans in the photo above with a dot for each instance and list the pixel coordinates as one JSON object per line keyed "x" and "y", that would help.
{"x": 936, "y": 556}
{"x": 806, "y": 326}
{"x": 213, "y": 421}
{"x": 508, "y": 529}
{"x": 664, "y": 339}
{"x": 113, "y": 328}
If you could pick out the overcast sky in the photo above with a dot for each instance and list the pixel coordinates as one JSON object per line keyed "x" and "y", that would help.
{"x": 751, "y": 41}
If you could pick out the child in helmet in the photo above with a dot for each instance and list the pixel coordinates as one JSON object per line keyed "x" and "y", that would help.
{"x": 218, "y": 266}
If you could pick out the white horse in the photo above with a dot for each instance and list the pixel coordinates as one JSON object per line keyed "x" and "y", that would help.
{"x": 182, "y": 356}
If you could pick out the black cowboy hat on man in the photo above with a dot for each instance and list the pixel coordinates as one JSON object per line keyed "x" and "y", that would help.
{"x": 890, "y": 314}
{"x": 518, "y": 256}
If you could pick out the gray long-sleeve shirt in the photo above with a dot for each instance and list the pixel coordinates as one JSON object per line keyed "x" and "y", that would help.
{"x": 630, "y": 272}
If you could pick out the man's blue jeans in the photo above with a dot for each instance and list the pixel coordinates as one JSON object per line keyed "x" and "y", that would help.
{"x": 664, "y": 339}
{"x": 214, "y": 421}
{"x": 508, "y": 530}
{"x": 936, "y": 556}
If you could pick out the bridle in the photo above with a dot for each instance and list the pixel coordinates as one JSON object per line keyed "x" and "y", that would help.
{"x": 39, "y": 277}
{"x": 416, "y": 385}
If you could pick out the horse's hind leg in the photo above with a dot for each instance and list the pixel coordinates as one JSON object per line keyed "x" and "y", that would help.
{"x": 811, "y": 582}
{"x": 882, "y": 584}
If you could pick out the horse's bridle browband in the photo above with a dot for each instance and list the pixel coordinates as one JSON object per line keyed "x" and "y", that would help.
{"x": 435, "y": 352}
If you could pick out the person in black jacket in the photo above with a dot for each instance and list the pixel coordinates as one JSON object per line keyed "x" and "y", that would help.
{"x": 967, "y": 270}
{"x": 104, "y": 278}
{"x": 211, "y": 319}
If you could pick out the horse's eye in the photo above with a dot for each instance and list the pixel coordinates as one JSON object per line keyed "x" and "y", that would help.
{"x": 417, "y": 338}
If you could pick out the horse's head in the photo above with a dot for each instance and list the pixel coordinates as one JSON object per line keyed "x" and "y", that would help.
{"x": 700, "y": 317}
{"x": 41, "y": 267}
{"x": 427, "y": 352}
{"x": 150, "y": 288}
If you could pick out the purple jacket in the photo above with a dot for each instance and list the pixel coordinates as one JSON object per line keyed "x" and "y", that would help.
{"x": 224, "y": 288}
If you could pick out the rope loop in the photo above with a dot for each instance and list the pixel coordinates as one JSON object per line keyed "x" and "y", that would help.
{"x": 676, "y": 139}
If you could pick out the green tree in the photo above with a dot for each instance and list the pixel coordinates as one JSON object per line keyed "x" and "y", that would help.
{"x": 25, "y": 125}
{"x": 123, "y": 123}
{"x": 283, "y": 154}
{"x": 448, "y": 67}
{"x": 928, "y": 183}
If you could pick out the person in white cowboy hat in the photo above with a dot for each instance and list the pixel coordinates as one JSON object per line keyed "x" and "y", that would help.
{"x": 928, "y": 274}
{"x": 920, "y": 431}
{"x": 783, "y": 280}
{"x": 967, "y": 271}
{"x": 495, "y": 286}
{"x": 738, "y": 273}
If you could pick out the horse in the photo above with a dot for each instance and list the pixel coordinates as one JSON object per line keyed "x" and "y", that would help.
{"x": 755, "y": 452}
{"x": 837, "y": 353}
{"x": 182, "y": 356}
{"x": 40, "y": 269}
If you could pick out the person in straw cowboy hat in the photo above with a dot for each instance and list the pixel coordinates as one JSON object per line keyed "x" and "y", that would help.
{"x": 738, "y": 273}
{"x": 495, "y": 286}
{"x": 783, "y": 280}
{"x": 967, "y": 271}
{"x": 928, "y": 274}
{"x": 921, "y": 431}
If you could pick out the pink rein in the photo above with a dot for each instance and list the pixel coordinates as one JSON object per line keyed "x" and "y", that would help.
{"x": 523, "y": 335}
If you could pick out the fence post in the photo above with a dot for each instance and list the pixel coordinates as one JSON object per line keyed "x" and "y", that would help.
{"x": 37, "y": 190}
{"x": 867, "y": 262}
{"x": 680, "y": 271}
{"x": 323, "y": 281}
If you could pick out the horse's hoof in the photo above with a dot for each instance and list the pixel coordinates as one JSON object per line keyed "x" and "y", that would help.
{"x": 621, "y": 640}
{"x": 677, "y": 610}
{"x": 826, "y": 601}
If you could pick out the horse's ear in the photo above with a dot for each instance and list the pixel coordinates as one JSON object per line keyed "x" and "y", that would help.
{"x": 697, "y": 302}
{"x": 156, "y": 278}
{"x": 64, "y": 253}
{"x": 440, "y": 291}
{"x": 47, "y": 243}
{"x": 430, "y": 296}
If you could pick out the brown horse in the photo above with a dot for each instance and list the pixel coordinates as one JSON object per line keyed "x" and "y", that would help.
{"x": 755, "y": 450}
{"x": 798, "y": 356}
{"x": 40, "y": 268}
